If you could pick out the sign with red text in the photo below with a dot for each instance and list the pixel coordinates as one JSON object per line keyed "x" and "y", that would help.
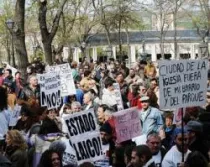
{"x": 182, "y": 83}
{"x": 127, "y": 124}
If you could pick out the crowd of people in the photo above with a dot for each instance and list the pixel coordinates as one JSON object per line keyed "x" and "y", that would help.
{"x": 164, "y": 143}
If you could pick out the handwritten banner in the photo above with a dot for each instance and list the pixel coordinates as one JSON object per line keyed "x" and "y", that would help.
{"x": 85, "y": 136}
{"x": 182, "y": 83}
{"x": 67, "y": 81}
{"x": 127, "y": 124}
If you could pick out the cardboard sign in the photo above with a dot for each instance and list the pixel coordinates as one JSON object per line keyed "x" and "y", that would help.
{"x": 85, "y": 136}
{"x": 67, "y": 81}
{"x": 50, "y": 90}
{"x": 182, "y": 83}
{"x": 127, "y": 124}
{"x": 69, "y": 155}
{"x": 41, "y": 81}
{"x": 118, "y": 97}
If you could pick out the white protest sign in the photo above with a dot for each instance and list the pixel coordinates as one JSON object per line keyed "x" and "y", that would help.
{"x": 15, "y": 115}
{"x": 127, "y": 124}
{"x": 41, "y": 81}
{"x": 50, "y": 93}
{"x": 118, "y": 97}
{"x": 67, "y": 81}
{"x": 182, "y": 83}
{"x": 85, "y": 136}
{"x": 69, "y": 155}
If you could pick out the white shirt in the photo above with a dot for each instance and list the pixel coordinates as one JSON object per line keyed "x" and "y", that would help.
{"x": 174, "y": 157}
{"x": 143, "y": 114}
{"x": 157, "y": 159}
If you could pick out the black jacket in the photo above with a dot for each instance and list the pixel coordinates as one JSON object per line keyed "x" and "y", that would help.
{"x": 4, "y": 162}
{"x": 200, "y": 145}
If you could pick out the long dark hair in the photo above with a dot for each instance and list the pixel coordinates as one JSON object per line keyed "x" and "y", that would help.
{"x": 3, "y": 101}
{"x": 48, "y": 126}
{"x": 46, "y": 159}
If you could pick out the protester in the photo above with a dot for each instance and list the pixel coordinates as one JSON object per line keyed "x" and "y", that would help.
{"x": 48, "y": 132}
{"x": 142, "y": 157}
{"x": 132, "y": 78}
{"x": 154, "y": 144}
{"x": 84, "y": 83}
{"x": 1, "y": 77}
{"x": 109, "y": 97}
{"x": 101, "y": 114}
{"x": 88, "y": 102}
{"x": 4, "y": 161}
{"x": 173, "y": 157}
{"x": 25, "y": 122}
{"x": 17, "y": 85}
{"x": 196, "y": 140}
{"x": 107, "y": 140}
{"x": 4, "y": 114}
{"x": 32, "y": 91}
{"x": 8, "y": 78}
{"x": 75, "y": 73}
{"x": 151, "y": 117}
{"x": 166, "y": 132}
{"x": 196, "y": 159}
{"x": 127, "y": 155}
{"x": 50, "y": 158}
{"x": 123, "y": 88}
{"x": 16, "y": 149}
{"x": 44, "y": 130}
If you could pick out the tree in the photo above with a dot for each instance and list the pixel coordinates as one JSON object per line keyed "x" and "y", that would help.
{"x": 19, "y": 35}
{"x": 102, "y": 8}
{"x": 47, "y": 33}
{"x": 125, "y": 17}
{"x": 162, "y": 13}
{"x": 5, "y": 39}
{"x": 200, "y": 14}
{"x": 176, "y": 5}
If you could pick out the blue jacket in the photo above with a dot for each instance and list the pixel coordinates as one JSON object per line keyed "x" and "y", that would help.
{"x": 4, "y": 123}
{"x": 153, "y": 120}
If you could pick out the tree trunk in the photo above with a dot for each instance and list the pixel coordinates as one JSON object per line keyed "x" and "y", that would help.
{"x": 47, "y": 37}
{"x": 120, "y": 40}
{"x": 8, "y": 51}
{"x": 175, "y": 32}
{"x": 48, "y": 52}
{"x": 129, "y": 48}
{"x": 19, "y": 36}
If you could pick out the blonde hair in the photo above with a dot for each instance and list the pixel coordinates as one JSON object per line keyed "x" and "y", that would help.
{"x": 17, "y": 139}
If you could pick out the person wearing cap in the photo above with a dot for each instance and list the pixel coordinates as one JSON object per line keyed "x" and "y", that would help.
{"x": 151, "y": 118}
{"x": 196, "y": 141}
{"x": 173, "y": 157}
{"x": 108, "y": 145}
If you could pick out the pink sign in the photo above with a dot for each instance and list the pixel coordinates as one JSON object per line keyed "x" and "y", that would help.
{"x": 127, "y": 124}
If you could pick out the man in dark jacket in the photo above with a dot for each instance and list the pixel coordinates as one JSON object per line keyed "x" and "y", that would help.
{"x": 196, "y": 141}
